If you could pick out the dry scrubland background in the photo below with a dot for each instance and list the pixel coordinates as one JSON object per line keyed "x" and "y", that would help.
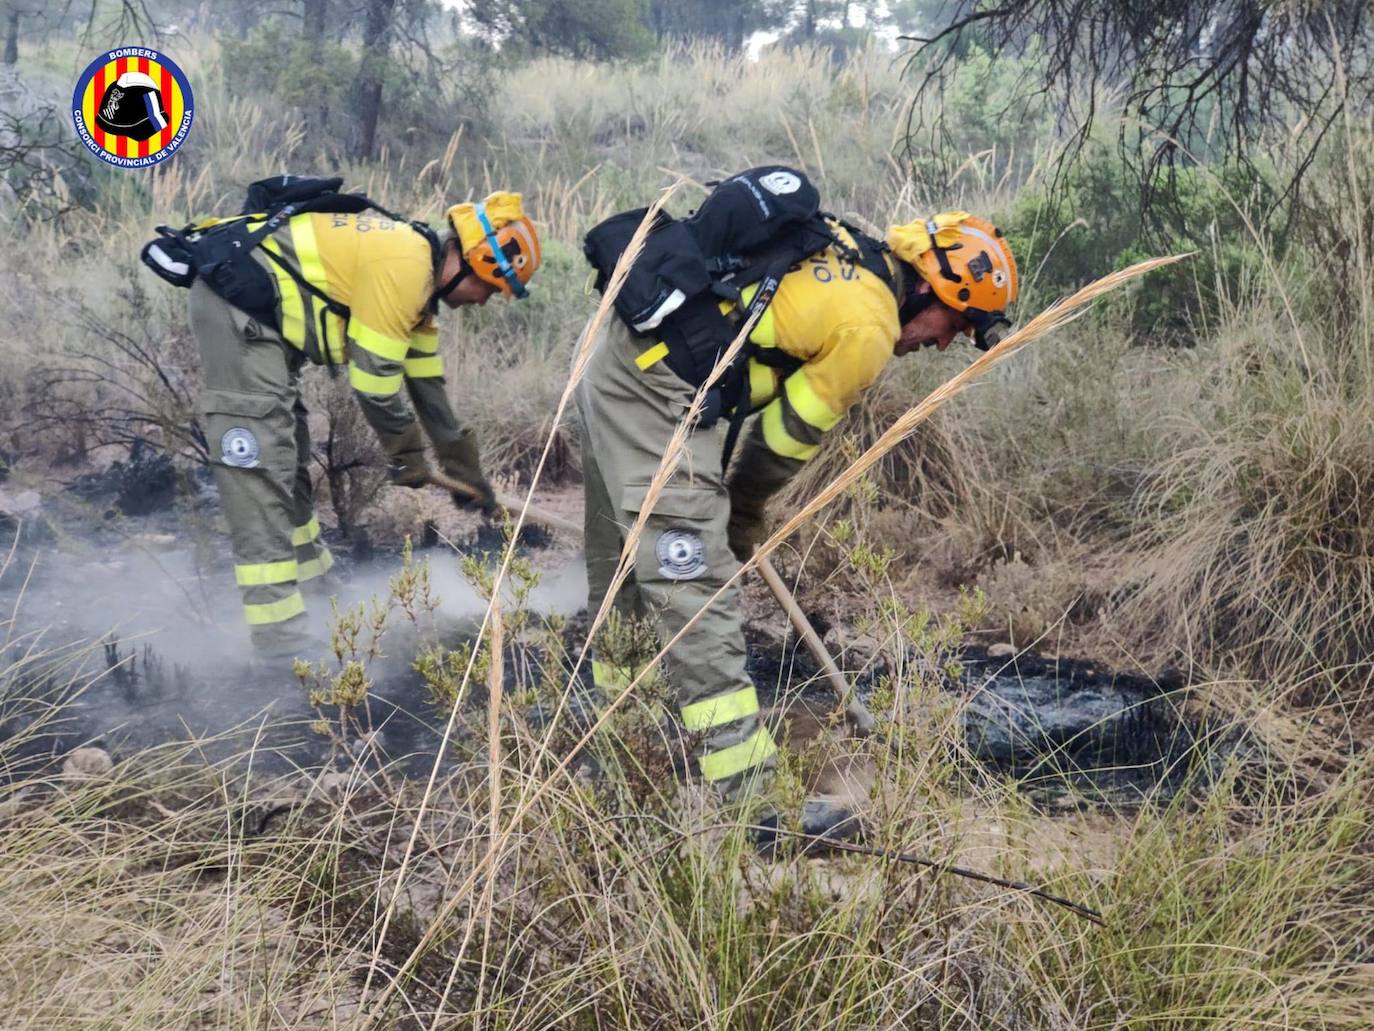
{"x": 1181, "y": 479}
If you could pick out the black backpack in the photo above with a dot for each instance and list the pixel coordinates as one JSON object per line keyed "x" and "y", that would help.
{"x": 752, "y": 228}
{"x": 218, "y": 250}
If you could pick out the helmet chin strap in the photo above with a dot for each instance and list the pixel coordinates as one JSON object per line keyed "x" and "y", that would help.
{"x": 463, "y": 272}
{"x": 915, "y": 301}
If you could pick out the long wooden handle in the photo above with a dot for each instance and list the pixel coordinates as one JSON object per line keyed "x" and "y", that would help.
{"x": 855, "y": 709}
{"x": 538, "y": 515}
{"x": 510, "y": 503}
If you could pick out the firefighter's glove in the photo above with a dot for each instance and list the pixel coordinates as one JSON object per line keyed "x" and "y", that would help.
{"x": 406, "y": 465}
{"x": 460, "y": 461}
{"x": 748, "y": 527}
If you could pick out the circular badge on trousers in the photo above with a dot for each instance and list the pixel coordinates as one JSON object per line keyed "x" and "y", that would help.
{"x": 132, "y": 107}
{"x": 681, "y": 554}
{"x": 239, "y": 448}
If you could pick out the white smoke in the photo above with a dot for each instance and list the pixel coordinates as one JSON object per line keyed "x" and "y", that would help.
{"x": 153, "y": 594}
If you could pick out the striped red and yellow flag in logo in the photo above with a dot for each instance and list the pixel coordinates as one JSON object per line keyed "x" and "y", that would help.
{"x": 172, "y": 103}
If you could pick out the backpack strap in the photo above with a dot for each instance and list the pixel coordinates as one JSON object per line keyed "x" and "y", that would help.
{"x": 431, "y": 238}
{"x": 329, "y": 304}
{"x": 763, "y": 297}
{"x": 867, "y": 252}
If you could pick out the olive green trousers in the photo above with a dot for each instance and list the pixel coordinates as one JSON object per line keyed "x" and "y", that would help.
{"x": 681, "y": 558}
{"x": 259, "y": 444}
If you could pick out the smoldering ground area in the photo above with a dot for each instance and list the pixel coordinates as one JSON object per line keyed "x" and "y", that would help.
{"x": 123, "y": 589}
{"x": 165, "y": 655}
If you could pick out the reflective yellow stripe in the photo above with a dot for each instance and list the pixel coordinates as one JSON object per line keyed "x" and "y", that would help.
{"x": 308, "y": 251}
{"x": 317, "y": 566}
{"x": 292, "y": 310}
{"x": 426, "y": 341}
{"x": 365, "y": 382}
{"x": 307, "y": 533}
{"x": 275, "y": 611}
{"x": 763, "y": 384}
{"x": 802, "y": 396}
{"x": 754, "y": 750}
{"x": 765, "y": 332}
{"x": 259, "y": 574}
{"x": 648, "y": 359}
{"x": 312, "y": 268}
{"x": 424, "y": 368}
{"x": 610, "y": 680}
{"x": 388, "y": 348}
{"x": 726, "y": 708}
{"x": 777, "y": 438}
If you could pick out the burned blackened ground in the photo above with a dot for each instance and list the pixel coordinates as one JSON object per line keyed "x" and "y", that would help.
{"x": 127, "y": 631}
{"x": 1063, "y": 729}
{"x": 141, "y": 484}
{"x": 1057, "y": 723}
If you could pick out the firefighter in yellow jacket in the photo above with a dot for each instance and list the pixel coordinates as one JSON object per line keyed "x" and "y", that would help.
{"x": 356, "y": 291}
{"x": 831, "y": 327}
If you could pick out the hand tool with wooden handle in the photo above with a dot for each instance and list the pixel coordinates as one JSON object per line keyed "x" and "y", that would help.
{"x": 510, "y": 503}
{"x": 853, "y": 708}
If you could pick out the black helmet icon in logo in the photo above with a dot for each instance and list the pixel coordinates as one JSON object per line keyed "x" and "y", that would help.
{"x": 132, "y": 107}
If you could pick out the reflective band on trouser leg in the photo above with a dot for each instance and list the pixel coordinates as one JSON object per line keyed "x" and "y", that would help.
{"x": 275, "y": 611}
{"x": 367, "y": 383}
{"x": 259, "y": 574}
{"x": 317, "y": 566}
{"x": 424, "y": 368}
{"x": 610, "y": 680}
{"x": 307, "y": 533}
{"x": 726, "y": 708}
{"x": 753, "y": 751}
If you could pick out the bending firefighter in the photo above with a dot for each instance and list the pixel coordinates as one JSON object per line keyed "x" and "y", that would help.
{"x": 832, "y": 306}
{"x": 317, "y": 276}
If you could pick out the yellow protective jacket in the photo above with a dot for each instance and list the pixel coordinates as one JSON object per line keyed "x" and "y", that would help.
{"x": 384, "y": 272}
{"x": 840, "y": 321}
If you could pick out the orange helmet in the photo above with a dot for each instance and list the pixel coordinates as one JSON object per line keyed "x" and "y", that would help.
{"x": 498, "y": 241}
{"x": 968, "y": 265}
